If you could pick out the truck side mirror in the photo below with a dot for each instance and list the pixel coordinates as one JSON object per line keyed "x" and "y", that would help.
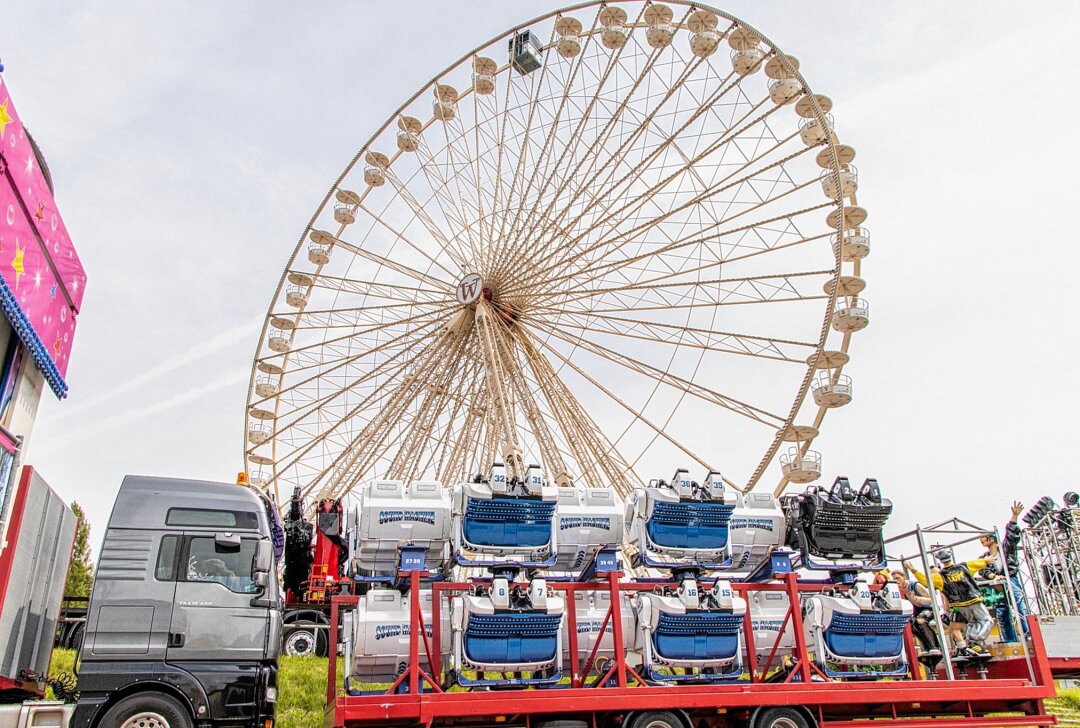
{"x": 261, "y": 579}
{"x": 264, "y": 558}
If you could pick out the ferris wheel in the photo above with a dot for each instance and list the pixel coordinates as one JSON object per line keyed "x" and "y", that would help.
{"x": 618, "y": 238}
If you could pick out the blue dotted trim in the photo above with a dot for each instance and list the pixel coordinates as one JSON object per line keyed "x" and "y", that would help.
{"x": 31, "y": 340}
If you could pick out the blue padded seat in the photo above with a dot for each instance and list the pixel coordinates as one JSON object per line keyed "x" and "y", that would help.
{"x": 689, "y": 525}
{"x": 698, "y": 636}
{"x": 866, "y": 635}
{"x": 512, "y": 638}
{"x": 508, "y": 522}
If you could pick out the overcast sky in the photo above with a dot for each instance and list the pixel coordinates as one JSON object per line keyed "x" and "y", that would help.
{"x": 190, "y": 143}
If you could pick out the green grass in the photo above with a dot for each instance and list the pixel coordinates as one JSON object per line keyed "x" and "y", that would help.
{"x": 1066, "y": 707}
{"x": 301, "y": 691}
{"x": 63, "y": 661}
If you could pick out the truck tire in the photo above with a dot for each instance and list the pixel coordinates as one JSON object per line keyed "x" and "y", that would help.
{"x": 304, "y": 639}
{"x": 147, "y": 710}
{"x": 75, "y": 637}
{"x": 780, "y": 717}
{"x": 656, "y": 719}
{"x": 563, "y": 723}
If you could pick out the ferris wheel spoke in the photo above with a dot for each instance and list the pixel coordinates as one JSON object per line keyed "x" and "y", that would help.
{"x": 500, "y": 204}
{"x": 542, "y": 165}
{"x": 741, "y": 179}
{"x": 497, "y": 379}
{"x": 772, "y": 288}
{"x": 292, "y": 458}
{"x": 364, "y": 448}
{"x": 452, "y": 205}
{"x": 605, "y": 188}
{"x": 661, "y": 376}
{"x": 637, "y": 415}
{"x": 377, "y": 289}
{"x": 704, "y": 236}
{"x": 624, "y": 183}
{"x": 550, "y": 453}
{"x": 442, "y": 455}
{"x": 601, "y": 78}
{"x": 725, "y": 342}
{"x": 390, "y": 264}
{"x": 552, "y": 229}
{"x": 420, "y": 214}
{"x": 590, "y": 155}
{"x": 598, "y": 460}
{"x": 418, "y": 428}
{"x": 309, "y": 350}
{"x": 298, "y": 418}
{"x": 358, "y": 315}
{"x": 451, "y": 201}
{"x": 332, "y": 366}
{"x": 618, "y": 237}
{"x": 520, "y": 182}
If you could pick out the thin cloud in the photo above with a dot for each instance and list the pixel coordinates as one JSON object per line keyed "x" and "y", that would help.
{"x": 128, "y": 417}
{"x": 224, "y": 340}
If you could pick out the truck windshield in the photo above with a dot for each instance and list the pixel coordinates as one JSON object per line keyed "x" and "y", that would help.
{"x": 229, "y": 567}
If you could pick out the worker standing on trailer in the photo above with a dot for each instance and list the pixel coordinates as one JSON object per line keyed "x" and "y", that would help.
{"x": 957, "y": 583}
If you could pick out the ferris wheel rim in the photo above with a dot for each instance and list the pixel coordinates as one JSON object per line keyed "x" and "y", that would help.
{"x": 830, "y": 146}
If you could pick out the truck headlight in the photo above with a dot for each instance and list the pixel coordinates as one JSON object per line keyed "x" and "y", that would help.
{"x": 271, "y": 694}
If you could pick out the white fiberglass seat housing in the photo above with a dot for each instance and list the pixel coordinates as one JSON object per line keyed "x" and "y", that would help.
{"x": 768, "y": 611}
{"x": 508, "y": 629}
{"x": 681, "y": 524}
{"x": 756, "y": 529}
{"x": 696, "y": 633}
{"x": 858, "y": 629}
{"x": 380, "y": 634}
{"x": 587, "y": 519}
{"x": 590, "y": 611}
{"x": 496, "y": 522}
{"x": 392, "y": 513}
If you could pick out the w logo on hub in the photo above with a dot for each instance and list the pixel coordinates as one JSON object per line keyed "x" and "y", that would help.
{"x": 468, "y": 290}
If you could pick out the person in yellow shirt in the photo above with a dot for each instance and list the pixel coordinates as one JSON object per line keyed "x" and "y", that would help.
{"x": 957, "y": 583}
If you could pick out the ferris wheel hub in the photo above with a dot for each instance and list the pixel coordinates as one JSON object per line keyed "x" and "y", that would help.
{"x": 468, "y": 289}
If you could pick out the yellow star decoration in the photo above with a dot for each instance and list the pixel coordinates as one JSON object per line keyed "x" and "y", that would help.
{"x": 5, "y": 118}
{"x": 17, "y": 263}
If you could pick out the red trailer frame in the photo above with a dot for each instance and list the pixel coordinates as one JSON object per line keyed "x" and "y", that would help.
{"x": 1013, "y": 686}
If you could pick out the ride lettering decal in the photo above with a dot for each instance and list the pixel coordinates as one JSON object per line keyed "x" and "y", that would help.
{"x": 589, "y": 626}
{"x": 565, "y": 524}
{"x": 384, "y": 631}
{"x": 43, "y": 278}
{"x": 427, "y": 517}
{"x": 765, "y": 524}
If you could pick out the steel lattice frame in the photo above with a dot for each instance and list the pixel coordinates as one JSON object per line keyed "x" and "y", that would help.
{"x": 1052, "y": 563}
{"x": 658, "y": 254}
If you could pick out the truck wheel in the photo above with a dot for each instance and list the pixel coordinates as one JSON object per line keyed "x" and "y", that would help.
{"x": 656, "y": 719}
{"x": 74, "y": 640}
{"x": 147, "y": 710}
{"x": 304, "y": 639}
{"x": 780, "y": 718}
{"x": 564, "y": 723}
